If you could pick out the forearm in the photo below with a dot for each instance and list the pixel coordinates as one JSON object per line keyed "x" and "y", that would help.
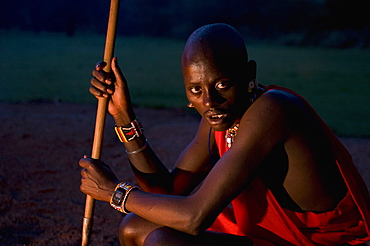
{"x": 130, "y": 132}
{"x": 154, "y": 177}
{"x": 191, "y": 167}
{"x": 181, "y": 213}
{"x": 150, "y": 173}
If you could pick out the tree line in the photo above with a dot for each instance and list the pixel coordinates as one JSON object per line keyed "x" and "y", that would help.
{"x": 335, "y": 23}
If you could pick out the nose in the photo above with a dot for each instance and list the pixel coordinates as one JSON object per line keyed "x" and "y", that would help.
{"x": 210, "y": 99}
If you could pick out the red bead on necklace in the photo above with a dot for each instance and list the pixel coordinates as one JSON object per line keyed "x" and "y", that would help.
{"x": 230, "y": 135}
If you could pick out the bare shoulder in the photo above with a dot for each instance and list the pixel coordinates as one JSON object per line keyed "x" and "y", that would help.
{"x": 280, "y": 99}
{"x": 284, "y": 106}
{"x": 304, "y": 151}
{"x": 270, "y": 115}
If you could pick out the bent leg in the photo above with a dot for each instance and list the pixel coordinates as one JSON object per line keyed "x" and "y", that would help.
{"x": 167, "y": 236}
{"x": 133, "y": 230}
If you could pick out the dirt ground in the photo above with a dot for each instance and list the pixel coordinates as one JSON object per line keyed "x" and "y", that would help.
{"x": 41, "y": 143}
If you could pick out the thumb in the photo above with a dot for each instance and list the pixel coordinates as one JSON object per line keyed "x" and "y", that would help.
{"x": 120, "y": 78}
{"x": 85, "y": 162}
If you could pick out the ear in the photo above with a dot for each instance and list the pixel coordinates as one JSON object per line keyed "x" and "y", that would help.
{"x": 252, "y": 69}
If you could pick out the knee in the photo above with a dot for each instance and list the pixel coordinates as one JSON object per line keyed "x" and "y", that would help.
{"x": 158, "y": 237}
{"x": 128, "y": 230}
{"x": 133, "y": 230}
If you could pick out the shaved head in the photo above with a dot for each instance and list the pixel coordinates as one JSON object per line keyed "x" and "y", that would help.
{"x": 220, "y": 44}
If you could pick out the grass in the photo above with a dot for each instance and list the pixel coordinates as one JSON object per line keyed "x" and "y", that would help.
{"x": 55, "y": 67}
{"x": 335, "y": 82}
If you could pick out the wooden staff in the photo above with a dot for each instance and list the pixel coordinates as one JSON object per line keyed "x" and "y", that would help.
{"x": 100, "y": 117}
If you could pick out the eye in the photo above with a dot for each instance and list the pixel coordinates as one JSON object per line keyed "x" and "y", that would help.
{"x": 222, "y": 85}
{"x": 195, "y": 89}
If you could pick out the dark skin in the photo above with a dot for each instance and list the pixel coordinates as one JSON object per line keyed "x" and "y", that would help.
{"x": 293, "y": 159}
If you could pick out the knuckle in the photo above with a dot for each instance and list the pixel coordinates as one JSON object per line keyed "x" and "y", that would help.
{"x": 82, "y": 189}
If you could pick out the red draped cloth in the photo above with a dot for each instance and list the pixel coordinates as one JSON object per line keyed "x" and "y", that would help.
{"x": 255, "y": 213}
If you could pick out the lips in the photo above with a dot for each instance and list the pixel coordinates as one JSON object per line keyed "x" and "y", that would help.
{"x": 215, "y": 117}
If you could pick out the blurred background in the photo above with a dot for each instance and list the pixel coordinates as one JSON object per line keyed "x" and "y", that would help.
{"x": 320, "y": 48}
{"x": 48, "y": 48}
{"x": 328, "y": 23}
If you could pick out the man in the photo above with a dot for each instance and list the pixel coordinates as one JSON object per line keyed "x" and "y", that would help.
{"x": 261, "y": 149}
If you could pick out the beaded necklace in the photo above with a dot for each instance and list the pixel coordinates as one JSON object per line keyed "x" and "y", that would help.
{"x": 254, "y": 92}
{"x": 230, "y": 135}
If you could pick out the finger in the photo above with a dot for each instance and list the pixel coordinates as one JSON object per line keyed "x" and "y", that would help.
{"x": 102, "y": 77}
{"x": 100, "y": 88}
{"x": 82, "y": 162}
{"x": 100, "y": 65}
{"x": 97, "y": 84}
{"x": 89, "y": 162}
{"x": 97, "y": 93}
{"x": 82, "y": 188}
{"x": 85, "y": 162}
{"x": 83, "y": 174}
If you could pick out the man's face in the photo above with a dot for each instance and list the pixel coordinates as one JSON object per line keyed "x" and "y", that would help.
{"x": 219, "y": 96}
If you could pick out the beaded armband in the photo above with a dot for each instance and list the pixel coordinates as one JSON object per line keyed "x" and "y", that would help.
{"x": 129, "y": 132}
{"x": 120, "y": 205}
{"x": 138, "y": 150}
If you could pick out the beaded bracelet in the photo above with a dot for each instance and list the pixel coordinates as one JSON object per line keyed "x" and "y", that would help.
{"x": 127, "y": 187}
{"x": 130, "y": 131}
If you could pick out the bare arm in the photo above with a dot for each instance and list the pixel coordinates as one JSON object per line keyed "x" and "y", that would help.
{"x": 151, "y": 174}
{"x": 191, "y": 167}
{"x": 261, "y": 128}
{"x": 265, "y": 124}
{"x": 232, "y": 173}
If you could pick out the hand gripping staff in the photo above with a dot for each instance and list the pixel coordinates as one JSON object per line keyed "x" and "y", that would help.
{"x": 100, "y": 117}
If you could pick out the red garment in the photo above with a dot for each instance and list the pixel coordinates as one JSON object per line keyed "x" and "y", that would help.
{"x": 255, "y": 213}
